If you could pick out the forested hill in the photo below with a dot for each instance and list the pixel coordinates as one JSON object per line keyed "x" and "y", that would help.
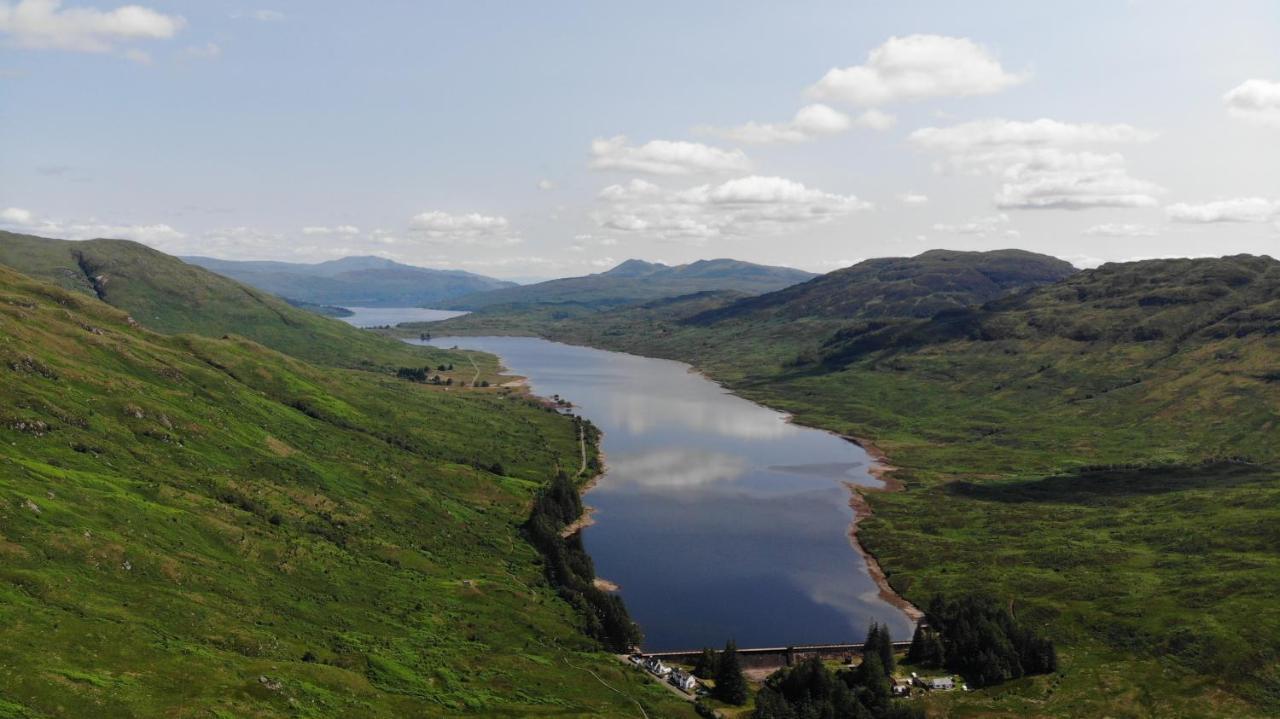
{"x": 892, "y": 287}
{"x": 195, "y": 526}
{"x": 168, "y": 295}
{"x": 354, "y": 281}
{"x": 637, "y": 281}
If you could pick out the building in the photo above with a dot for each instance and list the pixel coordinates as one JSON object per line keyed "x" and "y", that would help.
{"x": 655, "y": 666}
{"x": 936, "y": 683}
{"x": 684, "y": 681}
{"x": 901, "y": 687}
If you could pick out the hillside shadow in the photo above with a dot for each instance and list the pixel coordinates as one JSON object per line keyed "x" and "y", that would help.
{"x": 1103, "y": 486}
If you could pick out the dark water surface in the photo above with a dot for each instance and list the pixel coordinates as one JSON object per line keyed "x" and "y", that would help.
{"x": 379, "y": 316}
{"x": 716, "y": 517}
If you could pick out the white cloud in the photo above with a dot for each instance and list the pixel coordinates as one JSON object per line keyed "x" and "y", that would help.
{"x": 267, "y": 15}
{"x": 1256, "y": 101}
{"x": 22, "y": 220}
{"x": 810, "y": 122}
{"x": 545, "y": 184}
{"x": 45, "y": 24}
{"x": 338, "y": 230}
{"x": 16, "y": 216}
{"x": 466, "y": 229}
{"x": 913, "y": 198}
{"x": 665, "y": 157}
{"x": 1239, "y": 209}
{"x": 742, "y": 206}
{"x": 1043, "y": 163}
{"x": 1000, "y": 134}
{"x": 917, "y": 67}
{"x": 1076, "y": 190}
{"x": 1113, "y": 229}
{"x": 874, "y": 119}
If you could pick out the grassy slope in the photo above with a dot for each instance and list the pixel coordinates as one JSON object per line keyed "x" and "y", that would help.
{"x": 184, "y": 519}
{"x": 168, "y": 295}
{"x": 1158, "y": 582}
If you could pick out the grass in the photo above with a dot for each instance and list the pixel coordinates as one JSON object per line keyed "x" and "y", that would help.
{"x": 200, "y": 526}
{"x": 167, "y": 295}
{"x": 1075, "y": 451}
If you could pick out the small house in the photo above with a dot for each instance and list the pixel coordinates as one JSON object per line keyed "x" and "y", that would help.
{"x": 937, "y": 683}
{"x": 656, "y": 667}
{"x": 684, "y": 681}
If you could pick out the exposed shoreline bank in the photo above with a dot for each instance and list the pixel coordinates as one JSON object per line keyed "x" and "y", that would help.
{"x": 883, "y": 471}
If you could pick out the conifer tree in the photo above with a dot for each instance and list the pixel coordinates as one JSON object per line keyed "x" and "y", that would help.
{"x": 731, "y": 686}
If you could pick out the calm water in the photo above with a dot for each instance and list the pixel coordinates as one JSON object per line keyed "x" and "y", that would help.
{"x": 716, "y": 518}
{"x": 379, "y": 316}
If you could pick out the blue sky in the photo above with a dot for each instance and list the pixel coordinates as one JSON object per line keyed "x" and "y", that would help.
{"x": 461, "y": 134}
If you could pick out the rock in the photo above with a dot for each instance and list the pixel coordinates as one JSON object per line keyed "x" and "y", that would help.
{"x": 31, "y": 505}
{"x": 270, "y": 683}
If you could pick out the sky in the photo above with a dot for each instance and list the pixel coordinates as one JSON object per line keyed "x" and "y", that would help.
{"x": 532, "y": 140}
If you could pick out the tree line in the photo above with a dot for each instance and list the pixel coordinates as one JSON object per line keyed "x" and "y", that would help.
{"x": 570, "y": 570}
{"x": 810, "y": 690}
{"x": 981, "y": 640}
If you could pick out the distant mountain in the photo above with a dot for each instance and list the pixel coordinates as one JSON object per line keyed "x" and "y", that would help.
{"x": 1165, "y": 306}
{"x": 637, "y": 281}
{"x": 901, "y": 287}
{"x": 353, "y": 281}
{"x": 167, "y": 295}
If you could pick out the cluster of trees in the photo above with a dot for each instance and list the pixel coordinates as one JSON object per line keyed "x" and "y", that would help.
{"x": 726, "y": 670}
{"x": 423, "y": 375}
{"x": 570, "y": 570}
{"x": 811, "y": 691}
{"x": 981, "y": 640}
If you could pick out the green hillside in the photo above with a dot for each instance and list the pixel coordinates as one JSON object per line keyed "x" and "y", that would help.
{"x": 204, "y": 527}
{"x": 892, "y": 287}
{"x": 167, "y": 295}
{"x": 637, "y": 281}
{"x": 1103, "y": 452}
{"x": 353, "y": 281}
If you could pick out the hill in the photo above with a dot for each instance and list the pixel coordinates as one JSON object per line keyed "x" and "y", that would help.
{"x": 636, "y": 281}
{"x": 1098, "y": 452}
{"x": 193, "y": 526}
{"x": 167, "y": 295}
{"x": 353, "y": 281}
{"x": 896, "y": 287}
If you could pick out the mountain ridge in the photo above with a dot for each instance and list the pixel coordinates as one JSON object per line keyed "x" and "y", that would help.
{"x": 358, "y": 281}
{"x": 633, "y": 281}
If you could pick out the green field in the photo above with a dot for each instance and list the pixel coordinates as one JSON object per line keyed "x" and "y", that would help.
{"x": 1102, "y": 452}
{"x": 202, "y": 526}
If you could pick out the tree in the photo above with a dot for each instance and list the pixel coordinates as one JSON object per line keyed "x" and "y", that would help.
{"x": 880, "y": 644}
{"x": 872, "y": 684}
{"x": 731, "y": 686}
{"x": 708, "y": 662}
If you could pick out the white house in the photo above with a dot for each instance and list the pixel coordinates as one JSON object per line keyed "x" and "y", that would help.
{"x": 937, "y": 683}
{"x": 683, "y": 681}
{"x": 656, "y": 667}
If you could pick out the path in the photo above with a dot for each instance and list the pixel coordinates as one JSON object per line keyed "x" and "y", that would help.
{"x": 476, "y": 367}
{"x": 582, "y": 449}
{"x": 643, "y": 713}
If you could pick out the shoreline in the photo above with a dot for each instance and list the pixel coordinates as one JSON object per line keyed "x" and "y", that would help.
{"x": 883, "y": 471}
